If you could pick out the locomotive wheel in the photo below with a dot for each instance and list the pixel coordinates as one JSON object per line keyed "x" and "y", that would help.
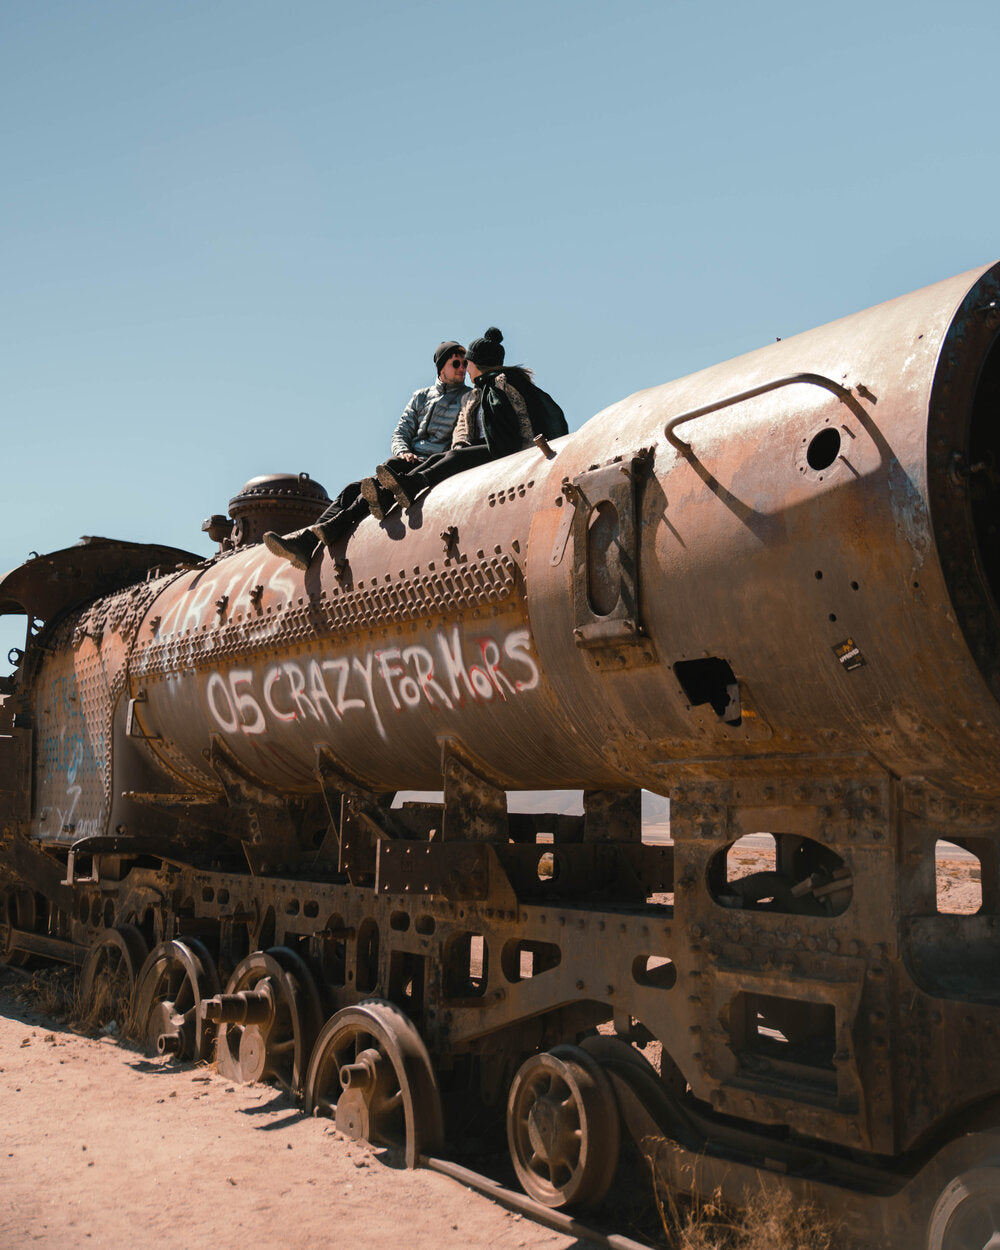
{"x": 967, "y": 1215}
{"x": 107, "y": 982}
{"x": 563, "y": 1128}
{"x": 18, "y": 910}
{"x": 174, "y": 980}
{"x": 371, "y": 1071}
{"x": 275, "y": 1044}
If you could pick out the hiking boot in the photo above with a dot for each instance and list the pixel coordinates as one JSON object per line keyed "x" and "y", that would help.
{"x": 405, "y": 492}
{"x": 340, "y": 523}
{"x": 378, "y": 499}
{"x": 298, "y": 548}
{"x": 327, "y": 532}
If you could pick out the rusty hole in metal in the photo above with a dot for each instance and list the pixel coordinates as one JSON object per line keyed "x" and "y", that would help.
{"x": 292, "y": 907}
{"x": 711, "y": 680}
{"x": 604, "y": 574}
{"x": 782, "y": 873}
{"x": 465, "y": 958}
{"x": 819, "y": 575}
{"x": 399, "y": 921}
{"x": 833, "y": 616}
{"x": 823, "y": 449}
{"x": 855, "y": 586}
{"x": 333, "y": 953}
{"x": 777, "y": 1038}
{"x": 655, "y": 971}
{"x": 268, "y": 928}
{"x": 953, "y": 869}
{"x": 368, "y": 948}
{"x": 207, "y": 894}
{"x": 521, "y": 960}
{"x": 311, "y": 909}
{"x": 425, "y": 925}
{"x": 407, "y": 976}
{"x": 548, "y": 867}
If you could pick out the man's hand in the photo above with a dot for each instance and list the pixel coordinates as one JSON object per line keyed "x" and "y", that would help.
{"x": 409, "y": 456}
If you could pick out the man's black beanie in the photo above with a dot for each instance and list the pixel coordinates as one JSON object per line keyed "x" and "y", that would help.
{"x": 444, "y": 352}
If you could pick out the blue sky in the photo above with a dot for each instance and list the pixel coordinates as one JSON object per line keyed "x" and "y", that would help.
{"x": 231, "y": 233}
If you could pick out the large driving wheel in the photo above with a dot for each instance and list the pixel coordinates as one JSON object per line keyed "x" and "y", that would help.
{"x": 18, "y": 910}
{"x": 175, "y": 979}
{"x": 563, "y": 1128}
{"x": 371, "y": 1071}
{"x": 109, "y": 974}
{"x": 967, "y": 1215}
{"x": 268, "y": 1018}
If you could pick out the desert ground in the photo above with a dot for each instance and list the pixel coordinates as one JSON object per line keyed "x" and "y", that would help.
{"x": 102, "y": 1147}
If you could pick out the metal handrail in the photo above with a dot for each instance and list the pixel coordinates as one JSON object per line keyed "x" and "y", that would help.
{"x": 843, "y": 393}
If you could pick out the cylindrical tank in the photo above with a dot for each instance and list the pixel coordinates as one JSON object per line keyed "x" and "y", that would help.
{"x": 805, "y": 568}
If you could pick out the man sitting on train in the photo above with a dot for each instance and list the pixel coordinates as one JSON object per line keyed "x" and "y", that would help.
{"x": 422, "y": 432}
{"x": 503, "y": 414}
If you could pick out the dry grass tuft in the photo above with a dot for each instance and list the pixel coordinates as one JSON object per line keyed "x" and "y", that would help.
{"x": 769, "y": 1221}
{"x": 50, "y": 991}
{"x": 109, "y": 1008}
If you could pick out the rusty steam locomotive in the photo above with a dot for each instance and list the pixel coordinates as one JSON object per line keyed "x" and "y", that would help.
{"x": 768, "y": 590}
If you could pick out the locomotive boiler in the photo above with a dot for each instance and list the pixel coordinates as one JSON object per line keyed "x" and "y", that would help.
{"x": 767, "y": 590}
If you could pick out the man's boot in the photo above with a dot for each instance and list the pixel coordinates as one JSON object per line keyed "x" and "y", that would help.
{"x": 378, "y": 499}
{"x": 330, "y": 530}
{"x": 406, "y": 487}
{"x": 298, "y": 548}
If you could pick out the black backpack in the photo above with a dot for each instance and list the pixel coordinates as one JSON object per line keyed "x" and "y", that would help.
{"x": 546, "y": 416}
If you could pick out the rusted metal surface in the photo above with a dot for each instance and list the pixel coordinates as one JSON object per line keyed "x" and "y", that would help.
{"x": 767, "y": 590}
{"x": 864, "y": 648}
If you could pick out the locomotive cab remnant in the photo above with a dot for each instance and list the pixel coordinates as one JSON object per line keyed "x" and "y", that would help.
{"x": 768, "y": 590}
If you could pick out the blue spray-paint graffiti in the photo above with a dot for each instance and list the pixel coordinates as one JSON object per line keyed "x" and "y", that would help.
{"x": 74, "y": 754}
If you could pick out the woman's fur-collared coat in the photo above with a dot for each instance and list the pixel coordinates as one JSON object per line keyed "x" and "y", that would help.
{"x": 506, "y": 422}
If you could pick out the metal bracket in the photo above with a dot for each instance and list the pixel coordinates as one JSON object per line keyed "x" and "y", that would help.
{"x": 606, "y": 563}
{"x": 359, "y": 817}
{"x": 475, "y": 802}
{"x": 131, "y": 724}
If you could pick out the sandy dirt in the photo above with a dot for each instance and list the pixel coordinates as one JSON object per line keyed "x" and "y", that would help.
{"x": 100, "y": 1146}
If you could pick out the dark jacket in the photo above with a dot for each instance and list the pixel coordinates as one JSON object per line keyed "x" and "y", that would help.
{"x": 508, "y": 423}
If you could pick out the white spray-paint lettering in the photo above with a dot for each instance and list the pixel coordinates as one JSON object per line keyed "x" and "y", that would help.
{"x": 242, "y": 701}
